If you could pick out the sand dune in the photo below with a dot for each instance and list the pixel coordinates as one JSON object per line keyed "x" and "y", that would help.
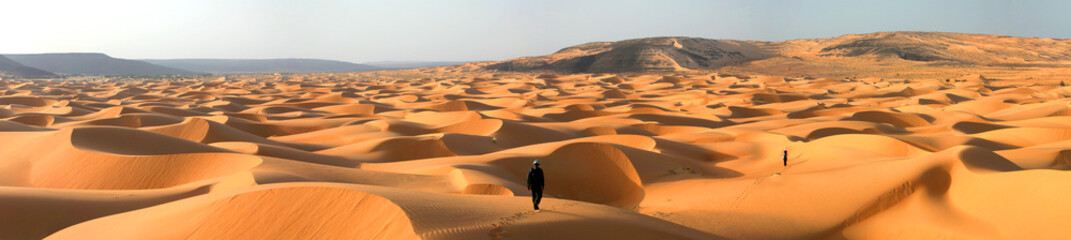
{"x": 341, "y": 214}
{"x": 590, "y": 172}
{"x": 435, "y": 154}
{"x": 121, "y": 158}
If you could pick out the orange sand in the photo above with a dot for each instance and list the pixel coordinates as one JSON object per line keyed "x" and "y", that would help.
{"x": 368, "y": 156}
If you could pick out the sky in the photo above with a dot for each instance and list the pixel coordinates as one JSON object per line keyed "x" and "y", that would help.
{"x": 460, "y": 30}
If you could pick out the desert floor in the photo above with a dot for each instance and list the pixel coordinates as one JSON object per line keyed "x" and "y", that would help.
{"x": 348, "y": 156}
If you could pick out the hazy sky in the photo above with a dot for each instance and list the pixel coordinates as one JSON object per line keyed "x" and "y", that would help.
{"x": 361, "y": 31}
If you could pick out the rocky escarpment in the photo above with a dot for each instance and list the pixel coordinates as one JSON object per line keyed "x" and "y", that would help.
{"x": 642, "y": 55}
{"x": 662, "y": 54}
{"x": 11, "y": 68}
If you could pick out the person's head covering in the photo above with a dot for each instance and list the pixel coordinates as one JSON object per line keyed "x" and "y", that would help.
{"x": 536, "y": 162}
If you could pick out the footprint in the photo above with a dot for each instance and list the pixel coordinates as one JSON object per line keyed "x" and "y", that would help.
{"x": 497, "y": 229}
{"x": 744, "y": 194}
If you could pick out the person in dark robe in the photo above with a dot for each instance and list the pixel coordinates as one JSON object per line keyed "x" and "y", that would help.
{"x": 535, "y": 183}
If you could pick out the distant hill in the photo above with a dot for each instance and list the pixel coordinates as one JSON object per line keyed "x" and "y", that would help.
{"x": 643, "y": 55}
{"x": 12, "y": 68}
{"x": 411, "y": 64}
{"x": 856, "y": 52}
{"x": 92, "y": 64}
{"x": 964, "y": 48}
{"x": 235, "y": 66}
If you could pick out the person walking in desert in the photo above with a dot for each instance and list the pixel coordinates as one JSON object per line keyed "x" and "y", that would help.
{"x": 535, "y": 183}
{"x": 784, "y": 157}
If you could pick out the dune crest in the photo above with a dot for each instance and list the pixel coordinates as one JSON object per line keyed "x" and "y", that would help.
{"x": 341, "y": 213}
{"x": 443, "y": 153}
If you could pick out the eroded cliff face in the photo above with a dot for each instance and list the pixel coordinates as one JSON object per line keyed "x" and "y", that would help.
{"x": 682, "y": 53}
{"x": 643, "y": 55}
{"x": 965, "y": 48}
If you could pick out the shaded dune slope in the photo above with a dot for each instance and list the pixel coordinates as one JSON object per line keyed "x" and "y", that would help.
{"x": 627, "y": 156}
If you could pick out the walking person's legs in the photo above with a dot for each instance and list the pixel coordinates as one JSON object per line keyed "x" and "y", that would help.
{"x": 537, "y": 195}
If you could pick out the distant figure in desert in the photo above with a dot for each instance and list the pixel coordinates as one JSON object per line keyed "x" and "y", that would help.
{"x": 784, "y": 157}
{"x": 535, "y": 183}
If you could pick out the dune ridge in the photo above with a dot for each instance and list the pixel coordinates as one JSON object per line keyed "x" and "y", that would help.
{"x": 442, "y": 153}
